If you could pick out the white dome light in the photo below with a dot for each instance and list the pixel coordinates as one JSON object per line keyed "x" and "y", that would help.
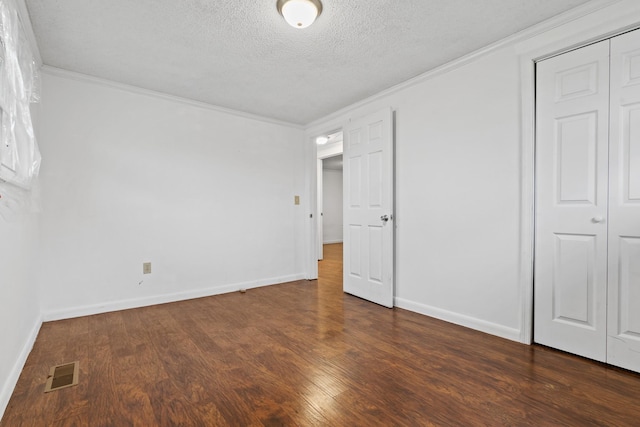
{"x": 321, "y": 140}
{"x": 299, "y": 13}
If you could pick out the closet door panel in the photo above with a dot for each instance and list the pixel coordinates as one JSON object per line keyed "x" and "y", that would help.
{"x": 623, "y": 326}
{"x": 571, "y": 201}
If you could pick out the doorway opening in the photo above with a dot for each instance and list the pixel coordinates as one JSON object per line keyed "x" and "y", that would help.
{"x": 330, "y": 221}
{"x": 330, "y": 208}
{"x": 368, "y": 202}
{"x": 330, "y": 218}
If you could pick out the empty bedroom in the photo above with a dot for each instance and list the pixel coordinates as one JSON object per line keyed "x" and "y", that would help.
{"x": 319, "y": 212}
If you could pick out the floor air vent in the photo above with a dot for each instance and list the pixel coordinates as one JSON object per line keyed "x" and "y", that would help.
{"x": 62, "y": 376}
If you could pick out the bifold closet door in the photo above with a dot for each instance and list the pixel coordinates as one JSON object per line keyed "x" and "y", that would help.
{"x": 572, "y": 131}
{"x": 623, "y": 343}
{"x": 587, "y": 257}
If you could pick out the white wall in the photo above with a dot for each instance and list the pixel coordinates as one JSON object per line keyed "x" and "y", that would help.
{"x": 332, "y": 206}
{"x": 20, "y": 317}
{"x": 457, "y": 193}
{"x": 458, "y": 170}
{"x": 206, "y": 196}
{"x": 19, "y": 301}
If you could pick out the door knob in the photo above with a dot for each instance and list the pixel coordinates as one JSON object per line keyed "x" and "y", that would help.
{"x": 597, "y": 219}
{"x": 384, "y": 218}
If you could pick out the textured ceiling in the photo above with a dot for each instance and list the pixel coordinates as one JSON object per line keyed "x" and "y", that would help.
{"x": 242, "y": 55}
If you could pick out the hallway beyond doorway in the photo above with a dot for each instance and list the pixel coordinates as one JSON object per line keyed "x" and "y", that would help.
{"x": 330, "y": 268}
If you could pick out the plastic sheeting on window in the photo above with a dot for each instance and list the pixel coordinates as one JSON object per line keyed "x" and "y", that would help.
{"x": 19, "y": 87}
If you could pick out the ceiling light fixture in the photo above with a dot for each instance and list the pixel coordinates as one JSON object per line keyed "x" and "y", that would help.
{"x": 321, "y": 140}
{"x": 299, "y": 13}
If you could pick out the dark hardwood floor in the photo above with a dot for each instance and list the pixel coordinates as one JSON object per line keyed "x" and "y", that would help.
{"x": 306, "y": 354}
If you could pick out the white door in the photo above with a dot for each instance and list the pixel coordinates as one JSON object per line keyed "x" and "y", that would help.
{"x": 368, "y": 208}
{"x": 572, "y": 114}
{"x": 623, "y": 342}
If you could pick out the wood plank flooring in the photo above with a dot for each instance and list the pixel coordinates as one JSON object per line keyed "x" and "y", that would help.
{"x": 306, "y": 354}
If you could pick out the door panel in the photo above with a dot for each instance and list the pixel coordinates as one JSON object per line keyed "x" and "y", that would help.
{"x": 623, "y": 343}
{"x": 355, "y": 243}
{"x": 573, "y": 282}
{"x": 630, "y": 151}
{"x": 571, "y": 201}
{"x": 376, "y": 242}
{"x": 375, "y": 177}
{"x": 576, "y": 158}
{"x": 629, "y": 281}
{"x": 368, "y": 198}
{"x": 354, "y": 175}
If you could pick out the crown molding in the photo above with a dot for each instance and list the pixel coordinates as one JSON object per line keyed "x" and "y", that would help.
{"x": 72, "y": 75}
{"x": 559, "y": 20}
{"x": 549, "y": 24}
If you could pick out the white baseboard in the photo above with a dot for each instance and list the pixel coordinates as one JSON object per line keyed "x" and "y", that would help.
{"x": 14, "y": 374}
{"x": 330, "y": 242}
{"x": 88, "y": 310}
{"x": 460, "y": 319}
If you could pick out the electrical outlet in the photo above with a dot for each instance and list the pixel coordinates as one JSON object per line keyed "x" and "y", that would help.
{"x": 146, "y": 268}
